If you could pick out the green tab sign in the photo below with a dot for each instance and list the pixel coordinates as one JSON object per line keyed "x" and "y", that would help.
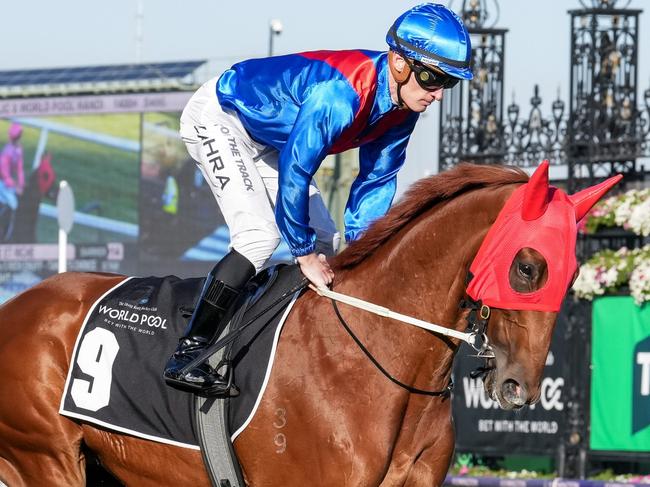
{"x": 620, "y": 381}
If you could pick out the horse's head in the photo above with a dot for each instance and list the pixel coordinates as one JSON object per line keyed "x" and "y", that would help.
{"x": 522, "y": 271}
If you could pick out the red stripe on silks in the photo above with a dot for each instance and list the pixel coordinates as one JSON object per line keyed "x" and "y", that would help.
{"x": 357, "y": 68}
{"x": 392, "y": 119}
{"x": 360, "y": 72}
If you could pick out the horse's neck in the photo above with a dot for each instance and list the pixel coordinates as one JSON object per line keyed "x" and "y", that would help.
{"x": 421, "y": 272}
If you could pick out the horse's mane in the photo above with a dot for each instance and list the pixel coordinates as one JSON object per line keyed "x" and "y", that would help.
{"x": 423, "y": 195}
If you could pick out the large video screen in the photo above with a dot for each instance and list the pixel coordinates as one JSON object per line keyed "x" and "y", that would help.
{"x": 142, "y": 207}
{"x": 98, "y": 156}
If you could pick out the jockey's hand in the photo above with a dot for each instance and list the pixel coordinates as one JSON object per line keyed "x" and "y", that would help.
{"x": 316, "y": 269}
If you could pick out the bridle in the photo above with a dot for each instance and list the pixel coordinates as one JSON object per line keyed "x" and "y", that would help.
{"x": 477, "y": 321}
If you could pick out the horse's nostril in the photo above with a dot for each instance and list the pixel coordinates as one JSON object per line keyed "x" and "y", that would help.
{"x": 513, "y": 392}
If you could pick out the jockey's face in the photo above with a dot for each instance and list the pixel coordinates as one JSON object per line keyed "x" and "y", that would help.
{"x": 417, "y": 98}
{"x": 413, "y": 95}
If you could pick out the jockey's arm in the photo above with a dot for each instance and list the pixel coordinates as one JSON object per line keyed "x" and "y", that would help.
{"x": 323, "y": 116}
{"x": 373, "y": 190}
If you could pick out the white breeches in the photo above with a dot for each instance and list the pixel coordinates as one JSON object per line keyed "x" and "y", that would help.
{"x": 243, "y": 176}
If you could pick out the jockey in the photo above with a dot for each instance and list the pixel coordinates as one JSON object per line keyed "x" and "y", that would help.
{"x": 12, "y": 177}
{"x": 260, "y": 131}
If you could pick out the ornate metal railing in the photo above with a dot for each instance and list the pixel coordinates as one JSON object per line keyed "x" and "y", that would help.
{"x": 534, "y": 138}
{"x": 605, "y": 129}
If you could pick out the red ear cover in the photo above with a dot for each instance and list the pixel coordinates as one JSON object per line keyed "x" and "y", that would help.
{"x": 536, "y": 195}
{"x": 584, "y": 200}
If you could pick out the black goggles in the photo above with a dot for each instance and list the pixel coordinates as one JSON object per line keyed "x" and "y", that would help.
{"x": 430, "y": 79}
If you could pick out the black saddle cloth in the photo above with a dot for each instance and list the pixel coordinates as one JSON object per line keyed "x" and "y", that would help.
{"x": 115, "y": 379}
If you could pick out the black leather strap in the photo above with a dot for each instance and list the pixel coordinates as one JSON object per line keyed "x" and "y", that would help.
{"x": 413, "y": 390}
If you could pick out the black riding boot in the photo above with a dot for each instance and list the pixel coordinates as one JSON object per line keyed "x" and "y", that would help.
{"x": 213, "y": 311}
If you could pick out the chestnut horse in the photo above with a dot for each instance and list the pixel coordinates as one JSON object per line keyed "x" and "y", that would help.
{"x": 328, "y": 416}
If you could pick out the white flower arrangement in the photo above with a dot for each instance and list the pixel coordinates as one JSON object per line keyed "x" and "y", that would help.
{"x": 640, "y": 281}
{"x": 624, "y": 270}
{"x": 639, "y": 220}
{"x": 629, "y": 210}
{"x": 610, "y": 271}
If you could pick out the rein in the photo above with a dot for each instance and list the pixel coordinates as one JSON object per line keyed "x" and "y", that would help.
{"x": 476, "y": 338}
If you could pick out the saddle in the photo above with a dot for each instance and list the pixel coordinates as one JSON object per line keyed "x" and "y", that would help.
{"x": 246, "y": 347}
{"x": 250, "y": 310}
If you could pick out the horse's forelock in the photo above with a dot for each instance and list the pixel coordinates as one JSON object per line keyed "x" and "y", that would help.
{"x": 423, "y": 195}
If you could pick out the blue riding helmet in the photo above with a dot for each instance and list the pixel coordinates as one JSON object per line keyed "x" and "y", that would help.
{"x": 432, "y": 34}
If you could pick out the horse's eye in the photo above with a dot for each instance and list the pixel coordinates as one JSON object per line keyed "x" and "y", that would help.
{"x": 525, "y": 270}
{"x": 528, "y": 271}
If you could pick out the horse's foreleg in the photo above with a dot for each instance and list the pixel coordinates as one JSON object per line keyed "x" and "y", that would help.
{"x": 430, "y": 468}
{"x": 424, "y": 450}
{"x": 8, "y": 474}
{"x": 432, "y": 464}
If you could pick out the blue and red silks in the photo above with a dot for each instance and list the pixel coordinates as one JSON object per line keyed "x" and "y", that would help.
{"x": 312, "y": 104}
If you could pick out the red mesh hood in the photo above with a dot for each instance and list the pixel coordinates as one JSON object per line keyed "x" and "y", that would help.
{"x": 543, "y": 218}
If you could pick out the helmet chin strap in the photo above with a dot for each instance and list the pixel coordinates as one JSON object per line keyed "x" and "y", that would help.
{"x": 401, "y": 77}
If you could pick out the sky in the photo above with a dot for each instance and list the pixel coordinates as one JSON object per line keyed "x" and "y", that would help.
{"x": 45, "y": 33}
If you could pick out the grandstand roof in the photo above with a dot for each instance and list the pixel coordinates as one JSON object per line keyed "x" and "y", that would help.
{"x": 120, "y": 78}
